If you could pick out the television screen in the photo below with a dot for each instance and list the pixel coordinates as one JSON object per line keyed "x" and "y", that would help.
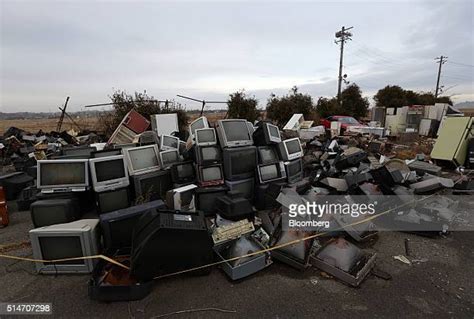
{"x": 210, "y": 153}
{"x": 267, "y": 154}
{"x": 236, "y": 131}
{"x": 211, "y": 173}
{"x": 170, "y": 141}
{"x": 45, "y": 215}
{"x": 57, "y": 173}
{"x": 199, "y": 123}
{"x": 185, "y": 170}
{"x": 60, "y": 247}
{"x": 154, "y": 186}
{"x": 243, "y": 162}
{"x": 142, "y": 158}
{"x": 206, "y": 135}
{"x": 109, "y": 170}
{"x": 110, "y": 201}
{"x": 169, "y": 157}
{"x": 106, "y": 153}
{"x": 294, "y": 168}
{"x": 269, "y": 172}
{"x": 121, "y": 230}
{"x": 293, "y": 146}
{"x": 186, "y": 198}
{"x": 273, "y": 130}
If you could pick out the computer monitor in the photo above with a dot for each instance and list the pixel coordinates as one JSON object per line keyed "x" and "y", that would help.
{"x": 168, "y": 142}
{"x": 78, "y": 151}
{"x": 207, "y": 154}
{"x": 210, "y": 175}
{"x": 76, "y": 239}
{"x": 294, "y": 170}
{"x": 240, "y": 163}
{"x": 290, "y": 149}
{"x": 266, "y": 134}
{"x": 151, "y": 186}
{"x": 198, "y": 123}
{"x": 183, "y": 173}
{"x": 62, "y": 175}
{"x": 245, "y": 186}
{"x": 117, "y": 226}
{"x": 168, "y": 158}
{"x": 108, "y": 173}
{"x": 205, "y": 198}
{"x": 271, "y": 172}
{"x": 106, "y": 153}
{"x": 142, "y": 159}
{"x": 205, "y": 136}
{"x": 109, "y": 201}
{"x": 181, "y": 198}
{"x": 234, "y": 133}
{"x": 267, "y": 154}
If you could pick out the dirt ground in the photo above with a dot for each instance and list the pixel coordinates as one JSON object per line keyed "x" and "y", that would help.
{"x": 47, "y": 125}
{"x": 440, "y": 285}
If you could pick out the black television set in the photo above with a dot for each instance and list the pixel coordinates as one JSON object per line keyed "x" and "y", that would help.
{"x": 267, "y": 154}
{"x": 239, "y": 163}
{"x": 183, "y": 173}
{"x": 210, "y": 175}
{"x": 205, "y": 198}
{"x": 207, "y": 154}
{"x": 78, "y": 151}
{"x": 294, "y": 170}
{"x": 245, "y": 186}
{"x": 266, "y": 134}
{"x": 234, "y": 206}
{"x": 151, "y": 186}
{"x": 54, "y": 211}
{"x": 112, "y": 200}
{"x": 271, "y": 172}
{"x": 117, "y": 226}
{"x": 106, "y": 153}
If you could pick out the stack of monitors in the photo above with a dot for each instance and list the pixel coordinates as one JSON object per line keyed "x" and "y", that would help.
{"x": 208, "y": 158}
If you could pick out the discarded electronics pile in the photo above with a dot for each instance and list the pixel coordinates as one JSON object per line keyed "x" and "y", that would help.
{"x": 166, "y": 206}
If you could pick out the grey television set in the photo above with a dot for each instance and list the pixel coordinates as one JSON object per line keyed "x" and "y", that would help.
{"x": 71, "y": 240}
{"x": 142, "y": 159}
{"x": 290, "y": 149}
{"x": 168, "y": 142}
{"x": 109, "y": 173}
{"x": 200, "y": 122}
{"x": 234, "y": 133}
{"x": 205, "y": 136}
{"x": 168, "y": 158}
{"x": 70, "y": 175}
{"x": 271, "y": 172}
{"x": 294, "y": 170}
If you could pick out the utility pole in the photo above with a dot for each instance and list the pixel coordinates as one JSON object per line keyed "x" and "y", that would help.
{"x": 441, "y": 60}
{"x": 342, "y": 37}
{"x": 61, "y": 119}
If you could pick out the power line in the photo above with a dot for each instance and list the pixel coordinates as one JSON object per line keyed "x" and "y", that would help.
{"x": 461, "y": 64}
{"x": 441, "y": 60}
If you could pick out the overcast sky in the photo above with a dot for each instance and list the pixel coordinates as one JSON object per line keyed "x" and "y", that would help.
{"x": 209, "y": 49}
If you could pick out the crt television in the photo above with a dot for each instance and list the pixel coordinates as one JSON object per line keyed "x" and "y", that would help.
{"x": 181, "y": 198}
{"x": 266, "y": 134}
{"x": 117, "y": 227}
{"x": 62, "y": 175}
{"x": 205, "y": 198}
{"x": 234, "y": 133}
{"x": 182, "y": 173}
{"x": 210, "y": 175}
{"x": 54, "y": 211}
{"x": 240, "y": 163}
{"x": 151, "y": 186}
{"x": 294, "y": 170}
{"x": 290, "y": 149}
{"x": 198, "y": 123}
{"x": 205, "y": 136}
{"x": 78, "y": 151}
{"x": 112, "y": 200}
{"x": 168, "y": 142}
{"x": 105, "y": 153}
{"x": 168, "y": 158}
{"x": 245, "y": 186}
{"x": 108, "y": 173}
{"x": 142, "y": 159}
{"x": 267, "y": 154}
{"x": 271, "y": 172}
{"x": 76, "y": 239}
{"x": 207, "y": 154}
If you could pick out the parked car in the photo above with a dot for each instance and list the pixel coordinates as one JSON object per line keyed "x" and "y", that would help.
{"x": 345, "y": 121}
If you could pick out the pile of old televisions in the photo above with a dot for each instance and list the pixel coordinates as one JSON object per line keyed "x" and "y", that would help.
{"x": 201, "y": 195}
